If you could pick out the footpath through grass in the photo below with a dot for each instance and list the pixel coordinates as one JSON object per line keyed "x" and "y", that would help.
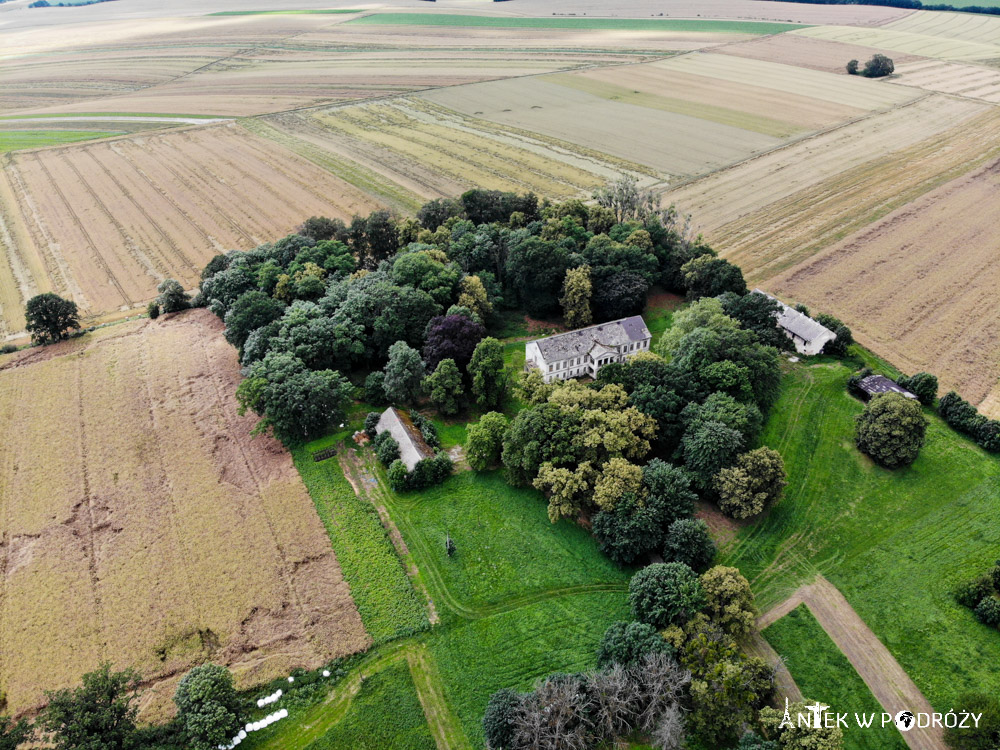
{"x": 823, "y": 673}
{"x": 896, "y": 543}
{"x": 576, "y": 23}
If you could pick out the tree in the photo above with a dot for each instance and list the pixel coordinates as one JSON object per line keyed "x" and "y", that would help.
{"x": 381, "y": 237}
{"x": 436, "y": 212}
{"x": 758, "y": 313}
{"x": 689, "y": 542}
{"x": 757, "y": 480}
{"x": 710, "y": 276}
{"x": 499, "y": 717}
{"x": 13, "y": 734}
{"x": 429, "y": 271}
{"x": 444, "y": 387}
{"x": 208, "y": 706}
{"x": 985, "y": 735}
{"x": 626, "y": 643}
{"x": 923, "y": 385}
{"x": 404, "y": 374}
{"x": 486, "y": 368}
{"x": 100, "y": 715}
{"x": 891, "y": 430}
{"x": 709, "y": 447}
{"x": 485, "y": 441}
{"x": 535, "y": 271}
{"x": 878, "y": 66}
{"x": 375, "y": 388}
{"x": 250, "y": 311}
{"x": 397, "y": 475}
{"x": 719, "y": 407}
{"x": 668, "y": 492}
{"x": 172, "y": 297}
{"x": 852, "y": 70}
{"x": 729, "y": 600}
{"x": 473, "y": 295}
{"x": 49, "y": 317}
{"x": 837, "y": 347}
{"x": 575, "y": 301}
{"x": 321, "y": 228}
{"x": 452, "y": 337}
{"x": 627, "y": 200}
{"x": 618, "y": 477}
{"x": 988, "y": 611}
{"x": 665, "y": 594}
{"x": 618, "y": 294}
{"x": 629, "y": 531}
{"x": 706, "y": 312}
{"x": 796, "y": 736}
{"x": 753, "y": 741}
{"x": 568, "y": 489}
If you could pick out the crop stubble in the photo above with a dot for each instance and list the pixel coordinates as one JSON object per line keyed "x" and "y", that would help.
{"x": 142, "y": 524}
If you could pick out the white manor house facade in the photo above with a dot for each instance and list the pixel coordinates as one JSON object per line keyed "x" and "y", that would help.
{"x": 582, "y": 353}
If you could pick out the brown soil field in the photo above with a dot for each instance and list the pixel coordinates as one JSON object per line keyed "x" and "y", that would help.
{"x": 919, "y": 286}
{"x": 112, "y": 219}
{"x": 769, "y": 213}
{"x": 804, "y": 52}
{"x": 143, "y": 525}
{"x": 970, "y": 81}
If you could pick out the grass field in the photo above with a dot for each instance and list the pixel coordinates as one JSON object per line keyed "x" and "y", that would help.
{"x": 615, "y": 24}
{"x": 894, "y": 543}
{"x": 133, "y": 500}
{"x": 14, "y": 140}
{"x": 283, "y": 12}
{"x": 824, "y": 674}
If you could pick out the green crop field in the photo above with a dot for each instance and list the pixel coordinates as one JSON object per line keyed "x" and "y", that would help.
{"x": 823, "y": 673}
{"x": 14, "y": 140}
{"x": 282, "y": 12}
{"x": 599, "y": 24}
{"x": 896, "y": 543}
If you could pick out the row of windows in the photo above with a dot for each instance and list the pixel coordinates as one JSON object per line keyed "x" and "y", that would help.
{"x": 579, "y": 360}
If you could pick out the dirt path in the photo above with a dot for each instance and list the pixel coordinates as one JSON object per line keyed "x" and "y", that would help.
{"x": 890, "y": 685}
{"x": 783, "y": 680}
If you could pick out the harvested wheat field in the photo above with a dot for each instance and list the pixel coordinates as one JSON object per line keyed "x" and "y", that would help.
{"x": 142, "y": 524}
{"x": 804, "y": 52}
{"x": 919, "y": 286}
{"x": 970, "y": 81}
{"x": 108, "y": 221}
{"x": 777, "y": 210}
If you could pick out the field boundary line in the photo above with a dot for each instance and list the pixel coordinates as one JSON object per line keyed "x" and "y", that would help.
{"x": 874, "y": 663}
{"x": 444, "y": 726}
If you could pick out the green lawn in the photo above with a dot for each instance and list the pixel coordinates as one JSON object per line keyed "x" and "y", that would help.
{"x": 563, "y": 22}
{"x": 895, "y": 543}
{"x": 823, "y": 673}
{"x": 385, "y": 714}
{"x": 14, "y": 140}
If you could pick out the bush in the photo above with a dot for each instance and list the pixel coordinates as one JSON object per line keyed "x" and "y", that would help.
{"x": 665, "y": 594}
{"x": 984, "y": 734}
{"x": 172, "y": 297}
{"x": 969, "y": 594}
{"x": 153, "y": 310}
{"x": 397, "y": 474}
{"x": 891, "y": 430}
{"x": 878, "y": 66}
{"x": 988, "y": 611}
{"x": 837, "y": 347}
{"x": 923, "y": 385}
{"x": 626, "y": 643}
{"x": 386, "y": 448}
{"x": 689, "y": 542}
{"x": 499, "y": 717}
{"x": 371, "y": 422}
{"x": 854, "y": 383}
{"x": 8, "y": 349}
{"x": 852, "y": 69}
{"x": 427, "y": 429}
{"x": 959, "y": 413}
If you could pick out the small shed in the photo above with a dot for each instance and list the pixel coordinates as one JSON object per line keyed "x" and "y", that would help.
{"x": 876, "y": 384}
{"x": 412, "y": 446}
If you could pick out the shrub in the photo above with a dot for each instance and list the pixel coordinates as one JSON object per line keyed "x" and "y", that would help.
{"x": 665, "y": 594}
{"x": 854, "y": 383}
{"x": 153, "y": 310}
{"x": 981, "y": 735}
{"x": 371, "y": 422}
{"x": 626, "y": 643}
{"x": 427, "y": 429}
{"x": 837, "y": 347}
{"x": 397, "y": 474}
{"x": 988, "y": 435}
{"x": 852, "y": 69}
{"x": 878, "y": 66}
{"x": 923, "y": 385}
{"x": 960, "y": 414}
{"x": 689, "y": 542}
{"x": 891, "y": 430}
{"x": 8, "y": 349}
{"x": 172, "y": 297}
{"x": 988, "y": 611}
{"x": 386, "y": 448}
{"x": 969, "y": 594}
{"x": 499, "y": 717}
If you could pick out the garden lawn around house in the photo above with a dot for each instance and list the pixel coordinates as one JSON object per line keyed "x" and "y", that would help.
{"x": 824, "y": 674}
{"x": 895, "y": 543}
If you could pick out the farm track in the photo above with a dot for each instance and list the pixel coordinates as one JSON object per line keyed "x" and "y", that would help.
{"x": 891, "y": 686}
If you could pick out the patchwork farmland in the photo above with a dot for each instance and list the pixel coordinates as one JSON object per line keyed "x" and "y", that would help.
{"x": 143, "y": 524}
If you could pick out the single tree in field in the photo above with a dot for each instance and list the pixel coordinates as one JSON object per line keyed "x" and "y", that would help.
{"x": 208, "y": 706}
{"x": 13, "y": 734}
{"x": 878, "y": 66}
{"x": 891, "y": 430}
{"x": 172, "y": 297}
{"x": 49, "y": 317}
{"x": 486, "y": 368}
{"x": 100, "y": 714}
{"x": 756, "y": 481}
{"x": 576, "y": 297}
{"x": 852, "y": 69}
{"x": 404, "y": 374}
{"x": 444, "y": 387}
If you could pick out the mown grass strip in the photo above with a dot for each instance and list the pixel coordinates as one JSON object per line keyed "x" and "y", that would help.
{"x": 388, "y": 605}
{"x": 72, "y": 115}
{"x": 283, "y": 12}
{"x": 824, "y": 674}
{"x": 14, "y": 140}
{"x": 593, "y": 24}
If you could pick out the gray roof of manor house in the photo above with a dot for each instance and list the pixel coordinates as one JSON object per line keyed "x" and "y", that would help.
{"x": 797, "y": 323}
{"x": 577, "y": 343}
{"x": 412, "y": 446}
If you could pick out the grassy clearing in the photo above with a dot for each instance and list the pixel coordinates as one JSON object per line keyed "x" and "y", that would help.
{"x": 513, "y": 649}
{"x": 388, "y": 605}
{"x": 14, "y": 140}
{"x": 924, "y": 529}
{"x": 824, "y": 673}
{"x": 385, "y": 713}
{"x": 599, "y": 24}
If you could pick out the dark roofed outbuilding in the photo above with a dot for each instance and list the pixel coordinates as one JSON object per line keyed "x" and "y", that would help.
{"x": 876, "y": 384}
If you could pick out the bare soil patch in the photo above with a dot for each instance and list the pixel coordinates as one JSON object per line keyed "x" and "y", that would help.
{"x": 140, "y": 523}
